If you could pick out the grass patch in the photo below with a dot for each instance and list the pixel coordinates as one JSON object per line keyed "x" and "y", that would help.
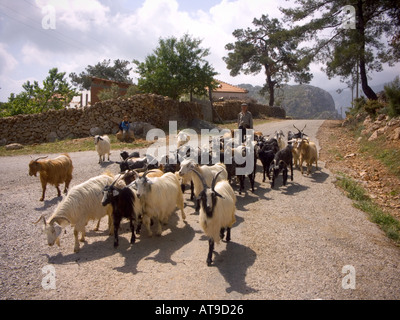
{"x": 87, "y": 144}
{"x": 389, "y": 224}
{"x": 380, "y": 150}
{"x": 72, "y": 145}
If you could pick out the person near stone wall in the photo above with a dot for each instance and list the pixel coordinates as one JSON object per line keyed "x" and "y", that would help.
{"x": 125, "y": 132}
{"x": 245, "y": 120}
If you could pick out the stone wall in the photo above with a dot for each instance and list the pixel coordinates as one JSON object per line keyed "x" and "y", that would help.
{"x": 106, "y": 115}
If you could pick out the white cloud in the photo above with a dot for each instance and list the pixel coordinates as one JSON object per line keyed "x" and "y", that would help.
{"x": 7, "y": 60}
{"x": 33, "y": 55}
{"x": 92, "y": 30}
{"x": 78, "y": 14}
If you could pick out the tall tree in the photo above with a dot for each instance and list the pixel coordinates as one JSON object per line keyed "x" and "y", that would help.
{"x": 118, "y": 71}
{"x": 176, "y": 67}
{"x": 372, "y": 40}
{"x": 267, "y": 46}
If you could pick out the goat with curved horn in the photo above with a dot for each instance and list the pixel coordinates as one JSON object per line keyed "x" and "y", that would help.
{"x": 40, "y": 218}
{"x": 213, "y": 183}
{"x": 40, "y": 158}
{"x": 201, "y": 178}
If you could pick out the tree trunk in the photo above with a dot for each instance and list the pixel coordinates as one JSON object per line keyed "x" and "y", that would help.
{"x": 271, "y": 87}
{"x": 363, "y": 73}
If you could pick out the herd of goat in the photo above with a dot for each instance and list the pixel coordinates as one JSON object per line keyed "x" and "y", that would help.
{"x": 148, "y": 192}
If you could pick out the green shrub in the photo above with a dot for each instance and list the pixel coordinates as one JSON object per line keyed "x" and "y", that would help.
{"x": 392, "y": 91}
{"x": 372, "y": 107}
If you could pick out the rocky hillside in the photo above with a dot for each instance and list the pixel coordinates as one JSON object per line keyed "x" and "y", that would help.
{"x": 299, "y": 101}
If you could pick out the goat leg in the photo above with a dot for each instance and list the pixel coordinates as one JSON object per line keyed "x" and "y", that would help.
{"x": 191, "y": 190}
{"x": 285, "y": 176}
{"x": 291, "y": 170}
{"x": 197, "y": 208}
{"x": 210, "y": 251}
{"x": 43, "y": 190}
{"x": 76, "y": 247}
{"x": 228, "y": 234}
{"x": 222, "y": 233}
{"x": 116, "y": 227}
{"x": 58, "y": 191}
{"x": 251, "y": 177}
{"x": 133, "y": 238}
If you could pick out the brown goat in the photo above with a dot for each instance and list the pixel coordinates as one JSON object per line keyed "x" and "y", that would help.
{"x": 54, "y": 171}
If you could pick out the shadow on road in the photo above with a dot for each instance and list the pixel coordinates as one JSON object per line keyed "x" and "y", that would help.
{"x": 233, "y": 263}
{"x": 49, "y": 203}
{"x": 166, "y": 244}
{"x": 292, "y": 188}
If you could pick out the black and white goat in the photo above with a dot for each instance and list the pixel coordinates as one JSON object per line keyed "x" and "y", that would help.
{"x": 217, "y": 210}
{"x": 125, "y": 204}
{"x": 145, "y": 163}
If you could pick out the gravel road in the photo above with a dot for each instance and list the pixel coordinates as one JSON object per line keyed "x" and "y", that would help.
{"x": 292, "y": 242}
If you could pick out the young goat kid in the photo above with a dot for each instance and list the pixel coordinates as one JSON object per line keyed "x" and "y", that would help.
{"x": 217, "y": 211}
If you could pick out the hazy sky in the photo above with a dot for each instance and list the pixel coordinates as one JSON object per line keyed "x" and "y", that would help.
{"x": 88, "y": 31}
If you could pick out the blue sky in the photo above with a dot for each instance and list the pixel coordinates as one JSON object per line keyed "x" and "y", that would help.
{"x": 88, "y": 31}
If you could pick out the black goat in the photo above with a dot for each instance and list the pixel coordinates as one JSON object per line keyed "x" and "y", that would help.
{"x": 145, "y": 163}
{"x": 266, "y": 153}
{"x": 266, "y": 157}
{"x": 123, "y": 204}
{"x": 282, "y": 159}
{"x": 299, "y": 135}
{"x": 125, "y": 155}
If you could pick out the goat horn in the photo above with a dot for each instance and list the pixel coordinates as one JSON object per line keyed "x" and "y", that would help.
{"x": 44, "y": 220}
{"x": 145, "y": 174}
{"x": 40, "y": 158}
{"x": 214, "y": 181}
{"x": 304, "y": 127}
{"x": 201, "y": 178}
{"x": 115, "y": 181}
{"x": 297, "y": 128}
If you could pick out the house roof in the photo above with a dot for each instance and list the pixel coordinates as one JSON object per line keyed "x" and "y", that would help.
{"x": 228, "y": 88}
{"x": 121, "y": 84}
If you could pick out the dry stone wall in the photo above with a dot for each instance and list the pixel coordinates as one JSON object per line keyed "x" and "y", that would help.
{"x": 105, "y": 116}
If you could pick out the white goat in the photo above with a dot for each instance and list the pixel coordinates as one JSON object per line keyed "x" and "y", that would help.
{"x": 295, "y": 151}
{"x": 217, "y": 211}
{"x": 183, "y": 138}
{"x": 281, "y": 141}
{"x": 83, "y": 203}
{"x": 103, "y": 147}
{"x": 309, "y": 154}
{"x": 160, "y": 196}
{"x": 207, "y": 172}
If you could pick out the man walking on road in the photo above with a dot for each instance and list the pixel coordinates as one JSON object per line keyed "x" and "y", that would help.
{"x": 245, "y": 120}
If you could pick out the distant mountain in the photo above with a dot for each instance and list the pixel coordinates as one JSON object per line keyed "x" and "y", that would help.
{"x": 299, "y": 101}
